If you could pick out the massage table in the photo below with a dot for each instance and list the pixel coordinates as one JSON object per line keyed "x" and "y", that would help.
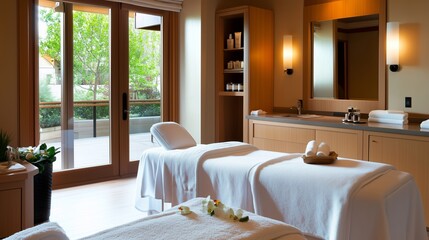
{"x": 348, "y": 199}
{"x": 174, "y": 224}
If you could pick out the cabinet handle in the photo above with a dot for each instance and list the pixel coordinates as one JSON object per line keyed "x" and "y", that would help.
{"x": 374, "y": 141}
{"x": 124, "y": 106}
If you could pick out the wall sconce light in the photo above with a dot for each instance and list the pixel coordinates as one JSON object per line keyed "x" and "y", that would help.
{"x": 392, "y": 46}
{"x": 287, "y": 54}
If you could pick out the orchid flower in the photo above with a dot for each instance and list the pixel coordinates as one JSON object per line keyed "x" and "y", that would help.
{"x": 217, "y": 208}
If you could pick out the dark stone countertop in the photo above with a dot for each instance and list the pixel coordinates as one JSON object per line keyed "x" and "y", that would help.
{"x": 336, "y": 122}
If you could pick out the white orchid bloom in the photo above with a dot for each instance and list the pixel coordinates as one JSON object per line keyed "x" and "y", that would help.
{"x": 184, "y": 210}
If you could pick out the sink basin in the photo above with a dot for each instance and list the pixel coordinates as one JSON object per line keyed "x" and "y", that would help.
{"x": 299, "y": 116}
{"x": 308, "y": 116}
{"x": 293, "y": 115}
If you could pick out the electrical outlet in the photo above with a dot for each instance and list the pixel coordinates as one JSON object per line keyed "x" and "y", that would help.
{"x": 407, "y": 102}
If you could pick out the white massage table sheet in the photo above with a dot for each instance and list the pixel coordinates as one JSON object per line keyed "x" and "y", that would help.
{"x": 199, "y": 225}
{"x": 173, "y": 177}
{"x": 315, "y": 198}
{"x": 173, "y": 225}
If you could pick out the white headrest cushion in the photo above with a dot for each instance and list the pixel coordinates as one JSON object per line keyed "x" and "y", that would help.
{"x": 172, "y": 136}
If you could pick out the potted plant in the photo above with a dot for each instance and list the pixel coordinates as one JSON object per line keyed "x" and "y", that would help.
{"x": 4, "y": 143}
{"x": 42, "y": 157}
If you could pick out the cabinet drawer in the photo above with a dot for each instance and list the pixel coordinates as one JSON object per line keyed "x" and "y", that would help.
{"x": 281, "y": 138}
{"x": 347, "y": 143}
{"x": 10, "y": 209}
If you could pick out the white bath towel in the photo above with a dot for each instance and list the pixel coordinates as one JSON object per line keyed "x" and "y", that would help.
{"x": 323, "y": 150}
{"x": 388, "y": 120}
{"x": 389, "y": 114}
{"x": 45, "y": 231}
{"x": 311, "y": 148}
{"x": 425, "y": 124}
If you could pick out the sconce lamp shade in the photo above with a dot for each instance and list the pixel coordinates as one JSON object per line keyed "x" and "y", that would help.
{"x": 392, "y": 46}
{"x": 287, "y": 54}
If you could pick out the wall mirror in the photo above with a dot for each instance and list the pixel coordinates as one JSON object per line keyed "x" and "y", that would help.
{"x": 345, "y": 58}
{"x": 344, "y": 55}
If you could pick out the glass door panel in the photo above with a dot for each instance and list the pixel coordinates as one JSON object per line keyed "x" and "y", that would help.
{"x": 74, "y": 83}
{"x": 50, "y": 75}
{"x": 91, "y": 86}
{"x": 145, "y": 57}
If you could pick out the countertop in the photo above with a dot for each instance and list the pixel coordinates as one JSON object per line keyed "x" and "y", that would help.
{"x": 336, "y": 122}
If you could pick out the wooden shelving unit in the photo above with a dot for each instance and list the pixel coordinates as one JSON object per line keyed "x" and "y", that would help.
{"x": 256, "y": 52}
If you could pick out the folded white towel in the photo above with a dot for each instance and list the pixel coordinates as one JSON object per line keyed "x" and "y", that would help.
{"x": 311, "y": 148}
{"x": 425, "y": 124}
{"x": 389, "y": 114}
{"x": 388, "y": 120}
{"x": 257, "y": 112}
{"x": 323, "y": 150}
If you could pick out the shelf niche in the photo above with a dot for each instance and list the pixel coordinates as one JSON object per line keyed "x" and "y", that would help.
{"x": 256, "y": 76}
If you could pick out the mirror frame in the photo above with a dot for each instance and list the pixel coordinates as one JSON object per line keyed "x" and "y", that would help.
{"x": 335, "y": 10}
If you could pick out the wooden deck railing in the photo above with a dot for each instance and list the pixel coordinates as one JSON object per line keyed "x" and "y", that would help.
{"x": 97, "y": 103}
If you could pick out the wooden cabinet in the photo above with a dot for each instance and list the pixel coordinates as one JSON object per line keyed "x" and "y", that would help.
{"x": 254, "y": 72}
{"x": 285, "y": 137}
{"x": 280, "y": 137}
{"x": 345, "y": 142}
{"x": 407, "y": 153}
{"x": 16, "y": 201}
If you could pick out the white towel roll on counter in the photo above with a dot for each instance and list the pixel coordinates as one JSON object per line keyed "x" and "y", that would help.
{"x": 323, "y": 150}
{"x": 425, "y": 124}
{"x": 311, "y": 148}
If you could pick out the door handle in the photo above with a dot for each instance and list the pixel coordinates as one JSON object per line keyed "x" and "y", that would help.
{"x": 124, "y": 106}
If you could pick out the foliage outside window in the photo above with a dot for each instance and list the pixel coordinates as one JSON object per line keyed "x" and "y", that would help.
{"x": 91, "y": 65}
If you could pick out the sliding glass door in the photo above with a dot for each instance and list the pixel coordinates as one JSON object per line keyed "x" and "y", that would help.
{"x": 100, "y": 86}
{"x": 144, "y": 79}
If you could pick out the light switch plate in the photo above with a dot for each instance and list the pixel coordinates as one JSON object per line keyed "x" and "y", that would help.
{"x": 407, "y": 102}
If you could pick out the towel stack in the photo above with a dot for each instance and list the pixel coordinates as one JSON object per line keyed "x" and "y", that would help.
{"x": 425, "y": 124}
{"x": 314, "y": 149}
{"x": 388, "y": 116}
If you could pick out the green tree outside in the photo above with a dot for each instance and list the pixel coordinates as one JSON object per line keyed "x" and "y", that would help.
{"x": 91, "y": 63}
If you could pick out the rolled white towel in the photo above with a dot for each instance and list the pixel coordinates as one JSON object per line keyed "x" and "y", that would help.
{"x": 425, "y": 124}
{"x": 311, "y": 148}
{"x": 323, "y": 150}
{"x": 389, "y": 114}
{"x": 388, "y": 120}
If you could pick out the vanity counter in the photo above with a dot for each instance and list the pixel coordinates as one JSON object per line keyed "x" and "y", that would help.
{"x": 336, "y": 122}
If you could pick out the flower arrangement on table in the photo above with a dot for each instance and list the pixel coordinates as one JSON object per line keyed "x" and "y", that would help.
{"x": 39, "y": 156}
{"x": 217, "y": 208}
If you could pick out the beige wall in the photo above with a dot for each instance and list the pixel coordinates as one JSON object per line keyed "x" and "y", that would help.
{"x": 190, "y": 67}
{"x": 413, "y": 78}
{"x": 9, "y": 68}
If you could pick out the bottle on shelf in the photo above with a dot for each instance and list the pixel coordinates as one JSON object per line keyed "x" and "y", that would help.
{"x": 237, "y": 39}
{"x": 230, "y": 42}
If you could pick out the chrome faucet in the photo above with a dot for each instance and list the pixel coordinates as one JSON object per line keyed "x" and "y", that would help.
{"x": 299, "y": 106}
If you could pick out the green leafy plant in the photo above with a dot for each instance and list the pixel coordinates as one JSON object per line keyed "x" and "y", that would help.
{"x": 4, "y": 143}
{"x": 39, "y": 156}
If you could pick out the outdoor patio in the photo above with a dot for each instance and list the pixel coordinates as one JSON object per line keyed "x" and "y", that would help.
{"x": 94, "y": 151}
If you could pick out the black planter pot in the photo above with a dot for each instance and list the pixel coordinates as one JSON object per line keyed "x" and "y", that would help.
{"x": 42, "y": 195}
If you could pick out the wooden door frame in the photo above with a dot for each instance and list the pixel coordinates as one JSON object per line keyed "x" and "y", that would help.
{"x": 28, "y": 89}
